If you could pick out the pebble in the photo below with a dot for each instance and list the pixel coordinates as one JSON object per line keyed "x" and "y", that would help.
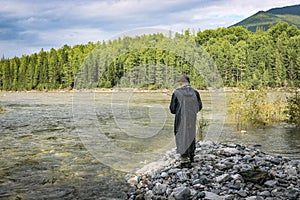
{"x": 270, "y": 183}
{"x": 181, "y": 193}
{"x": 220, "y": 172}
{"x": 164, "y": 175}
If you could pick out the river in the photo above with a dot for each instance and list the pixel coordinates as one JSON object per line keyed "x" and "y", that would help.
{"x": 66, "y": 145}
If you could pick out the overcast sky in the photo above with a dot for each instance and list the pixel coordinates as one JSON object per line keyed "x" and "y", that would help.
{"x": 26, "y": 26}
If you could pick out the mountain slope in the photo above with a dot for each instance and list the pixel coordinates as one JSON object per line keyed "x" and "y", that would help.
{"x": 263, "y": 19}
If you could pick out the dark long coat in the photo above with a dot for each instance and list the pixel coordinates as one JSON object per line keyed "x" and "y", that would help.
{"x": 185, "y": 104}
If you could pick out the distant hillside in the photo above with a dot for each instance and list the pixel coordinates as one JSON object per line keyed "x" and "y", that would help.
{"x": 263, "y": 19}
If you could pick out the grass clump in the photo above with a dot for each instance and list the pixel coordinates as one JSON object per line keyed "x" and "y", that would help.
{"x": 256, "y": 108}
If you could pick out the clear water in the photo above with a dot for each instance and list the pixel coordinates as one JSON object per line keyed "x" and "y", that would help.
{"x": 50, "y": 148}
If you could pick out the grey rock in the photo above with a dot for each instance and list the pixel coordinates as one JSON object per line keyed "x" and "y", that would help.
{"x": 280, "y": 175}
{"x": 265, "y": 194}
{"x": 159, "y": 197}
{"x": 254, "y": 198}
{"x": 255, "y": 176}
{"x": 196, "y": 181}
{"x": 181, "y": 193}
{"x": 149, "y": 194}
{"x": 229, "y": 151}
{"x": 174, "y": 170}
{"x": 236, "y": 177}
{"x": 229, "y": 197}
{"x": 222, "y": 172}
{"x": 235, "y": 186}
{"x": 291, "y": 171}
{"x": 169, "y": 191}
{"x": 231, "y": 145}
{"x": 247, "y": 157}
{"x": 139, "y": 197}
{"x": 293, "y": 194}
{"x": 132, "y": 197}
{"x": 198, "y": 186}
{"x": 223, "y": 178}
{"x": 193, "y": 192}
{"x": 201, "y": 195}
{"x": 221, "y": 166}
{"x": 159, "y": 188}
{"x": 270, "y": 183}
{"x": 204, "y": 180}
{"x": 164, "y": 175}
{"x": 228, "y": 164}
{"x": 182, "y": 175}
{"x": 275, "y": 161}
{"x": 212, "y": 196}
{"x": 242, "y": 193}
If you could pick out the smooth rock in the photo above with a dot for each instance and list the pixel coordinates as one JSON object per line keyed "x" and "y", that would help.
{"x": 181, "y": 193}
{"x": 270, "y": 183}
{"x": 159, "y": 188}
{"x": 229, "y": 151}
{"x": 169, "y": 191}
{"x": 198, "y": 186}
{"x": 164, "y": 175}
{"x": 221, "y": 166}
{"x": 265, "y": 194}
{"x": 223, "y": 178}
{"x": 174, "y": 170}
{"x": 254, "y": 198}
{"x": 242, "y": 193}
{"x": 212, "y": 196}
{"x": 236, "y": 177}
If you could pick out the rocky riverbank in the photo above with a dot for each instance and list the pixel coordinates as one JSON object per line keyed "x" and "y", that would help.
{"x": 220, "y": 171}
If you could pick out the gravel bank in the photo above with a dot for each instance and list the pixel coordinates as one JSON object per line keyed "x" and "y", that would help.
{"x": 220, "y": 172}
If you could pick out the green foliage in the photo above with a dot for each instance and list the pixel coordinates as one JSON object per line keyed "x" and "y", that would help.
{"x": 263, "y": 20}
{"x": 293, "y": 109}
{"x": 243, "y": 59}
{"x": 202, "y": 124}
{"x": 256, "y": 108}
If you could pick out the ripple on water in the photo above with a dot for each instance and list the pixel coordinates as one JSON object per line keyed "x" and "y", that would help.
{"x": 41, "y": 156}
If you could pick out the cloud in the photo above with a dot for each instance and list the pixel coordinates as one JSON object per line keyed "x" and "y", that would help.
{"x": 33, "y": 24}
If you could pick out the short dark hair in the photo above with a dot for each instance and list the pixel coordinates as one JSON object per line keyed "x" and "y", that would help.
{"x": 184, "y": 78}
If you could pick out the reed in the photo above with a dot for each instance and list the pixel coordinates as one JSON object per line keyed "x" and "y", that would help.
{"x": 256, "y": 108}
{"x": 1, "y": 109}
{"x": 293, "y": 109}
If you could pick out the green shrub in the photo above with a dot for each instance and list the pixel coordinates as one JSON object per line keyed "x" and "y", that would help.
{"x": 1, "y": 109}
{"x": 202, "y": 124}
{"x": 256, "y": 108}
{"x": 293, "y": 109}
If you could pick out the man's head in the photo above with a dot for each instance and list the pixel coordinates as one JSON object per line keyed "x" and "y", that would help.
{"x": 184, "y": 79}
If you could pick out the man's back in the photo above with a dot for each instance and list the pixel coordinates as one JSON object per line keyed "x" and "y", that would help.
{"x": 185, "y": 104}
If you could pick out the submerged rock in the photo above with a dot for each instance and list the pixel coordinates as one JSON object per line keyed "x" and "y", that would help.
{"x": 220, "y": 171}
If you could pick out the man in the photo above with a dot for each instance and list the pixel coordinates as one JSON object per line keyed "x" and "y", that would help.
{"x": 185, "y": 104}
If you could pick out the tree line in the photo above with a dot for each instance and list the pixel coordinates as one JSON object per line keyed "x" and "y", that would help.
{"x": 244, "y": 59}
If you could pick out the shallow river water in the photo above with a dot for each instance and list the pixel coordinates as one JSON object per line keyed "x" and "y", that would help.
{"x": 58, "y": 145}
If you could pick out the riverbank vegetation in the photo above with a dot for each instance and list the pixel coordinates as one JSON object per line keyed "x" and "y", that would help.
{"x": 244, "y": 59}
{"x": 257, "y": 108}
{"x": 293, "y": 109}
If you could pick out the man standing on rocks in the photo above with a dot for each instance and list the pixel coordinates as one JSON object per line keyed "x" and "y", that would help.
{"x": 185, "y": 104}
